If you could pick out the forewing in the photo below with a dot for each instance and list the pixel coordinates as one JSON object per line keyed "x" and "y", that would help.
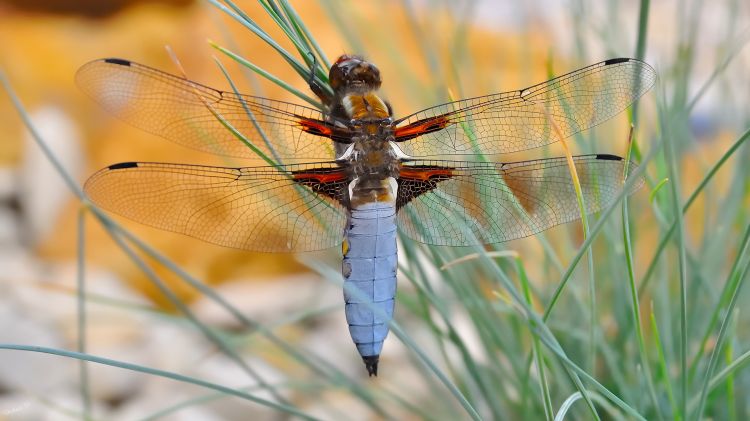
{"x": 292, "y": 208}
{"x": 186, "y": 112}
{"x": 520, "y": 120}
{"x": 456, "y": 203}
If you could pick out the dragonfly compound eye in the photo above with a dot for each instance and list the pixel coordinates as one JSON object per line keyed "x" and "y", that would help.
{"x": 353, "y": 72}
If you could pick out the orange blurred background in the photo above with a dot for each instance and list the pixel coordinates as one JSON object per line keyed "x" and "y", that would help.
{"x": 43, "y": 44}
{"x": 428, "y": 53}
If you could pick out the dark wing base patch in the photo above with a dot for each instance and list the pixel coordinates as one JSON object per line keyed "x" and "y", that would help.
{"x": 329, "y": 182}
{"x": 418, "y": 179}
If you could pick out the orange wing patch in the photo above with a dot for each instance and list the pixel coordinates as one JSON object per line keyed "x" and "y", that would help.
{"x": 420, "y": 127}
{"x": 319, "y": 177}
{"x": 325, "y": 129}
{"x": 426, "y": 173}
{"x": 316, "y": 127}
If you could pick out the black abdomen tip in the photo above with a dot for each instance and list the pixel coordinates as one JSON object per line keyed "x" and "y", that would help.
{"x": 371, "y": 364}
{"x": 121, "y": 62}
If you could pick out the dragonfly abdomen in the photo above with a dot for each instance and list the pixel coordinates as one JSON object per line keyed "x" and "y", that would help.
{"x": 369, "y": 270}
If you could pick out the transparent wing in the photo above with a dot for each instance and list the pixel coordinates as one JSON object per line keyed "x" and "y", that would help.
{"x": 455, "y": 203}
{"x": 183, "y": 111}
{"x": 520, "y": 120}
{"x": 289, "y": 209}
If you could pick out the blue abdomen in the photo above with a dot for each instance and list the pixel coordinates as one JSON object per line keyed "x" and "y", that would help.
{"x": 369, "y": 269}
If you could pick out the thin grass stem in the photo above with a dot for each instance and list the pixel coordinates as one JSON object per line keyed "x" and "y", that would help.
{"x": 257, "y": 69}
{"x": 701, "y": 186}
{"x": 161, "y": 373}
{"x": 83, "y": 373}
{"x": 635, "y": 305}
{"x": 549, "y": 411}
{"x": 726, "y": 320}
{"x": 664, "y": 367}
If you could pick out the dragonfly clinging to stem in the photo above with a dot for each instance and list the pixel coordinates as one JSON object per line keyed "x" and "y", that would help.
{"x": 353, "y": 174}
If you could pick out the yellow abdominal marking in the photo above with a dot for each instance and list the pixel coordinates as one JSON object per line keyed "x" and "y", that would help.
{"x": 376, "y": 194}
{"x": 385, "y": 196}
{"x": 345, "y": 247}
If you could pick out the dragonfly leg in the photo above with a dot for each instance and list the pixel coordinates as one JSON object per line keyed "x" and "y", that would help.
{"x": 316, "y": 87}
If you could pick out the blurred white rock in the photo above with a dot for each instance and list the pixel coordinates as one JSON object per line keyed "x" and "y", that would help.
{"x": 9, "y": 231}
{"x": 267, "y": 301}
{"x": 60, "y": 405}
{"x": 152, "y": 403}
{"x": 42, "y": 191}
{"x": 8, "y": 186}
{"x": 331, "y": 342}
{"x": 33, "y": 372}
{"x": 217, "y": 368}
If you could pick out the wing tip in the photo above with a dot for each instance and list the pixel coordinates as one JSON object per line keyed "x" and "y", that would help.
{"x": 608, "y": 157}
{"x": 617, "y": 60}
{"x": 118, "y": 61}
{"x": 122, "y": 165}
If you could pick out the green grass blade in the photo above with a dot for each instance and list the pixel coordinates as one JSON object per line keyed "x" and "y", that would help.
{"x": 664, "y": 366}
{"x": 549, "y": 412}
{"x": 731, "y": 401}
{"x": 267, "y": 75}
{"x": 568, "y": 403}
{"x": 209, "y": 333}
{"x": 715, "y": 354}
{"x": 281, "y": 19}
{"x": 254, "y": 28}
{"x": 721, "y": 305}
{"x": 718, "y": 71}
{"x": 546, "y": 336}
{"x": 634, "y": 176}
{"x": 295, "y": 18}
{"x": 161, "y": 373}
{"x": 64, "y": 174}
{"x": 656, "y": 189}
{"x": 736, "y": 365}
{"x": 635, "y": 305}
{"x": 83, "y": 374}
{"x": 701, "y": 186}
{"x": 585, "y": 227}
{"x": 671, "y": 159}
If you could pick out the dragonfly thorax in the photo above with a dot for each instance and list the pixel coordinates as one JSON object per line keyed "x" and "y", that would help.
{"x": 363, "y": 106}
{"x": 371, "y": 156}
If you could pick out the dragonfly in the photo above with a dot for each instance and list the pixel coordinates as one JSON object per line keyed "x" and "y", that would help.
{"x": 351, "y": 174}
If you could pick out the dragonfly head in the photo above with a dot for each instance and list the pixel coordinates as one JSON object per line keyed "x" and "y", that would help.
{"x": 353, "y": 74}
